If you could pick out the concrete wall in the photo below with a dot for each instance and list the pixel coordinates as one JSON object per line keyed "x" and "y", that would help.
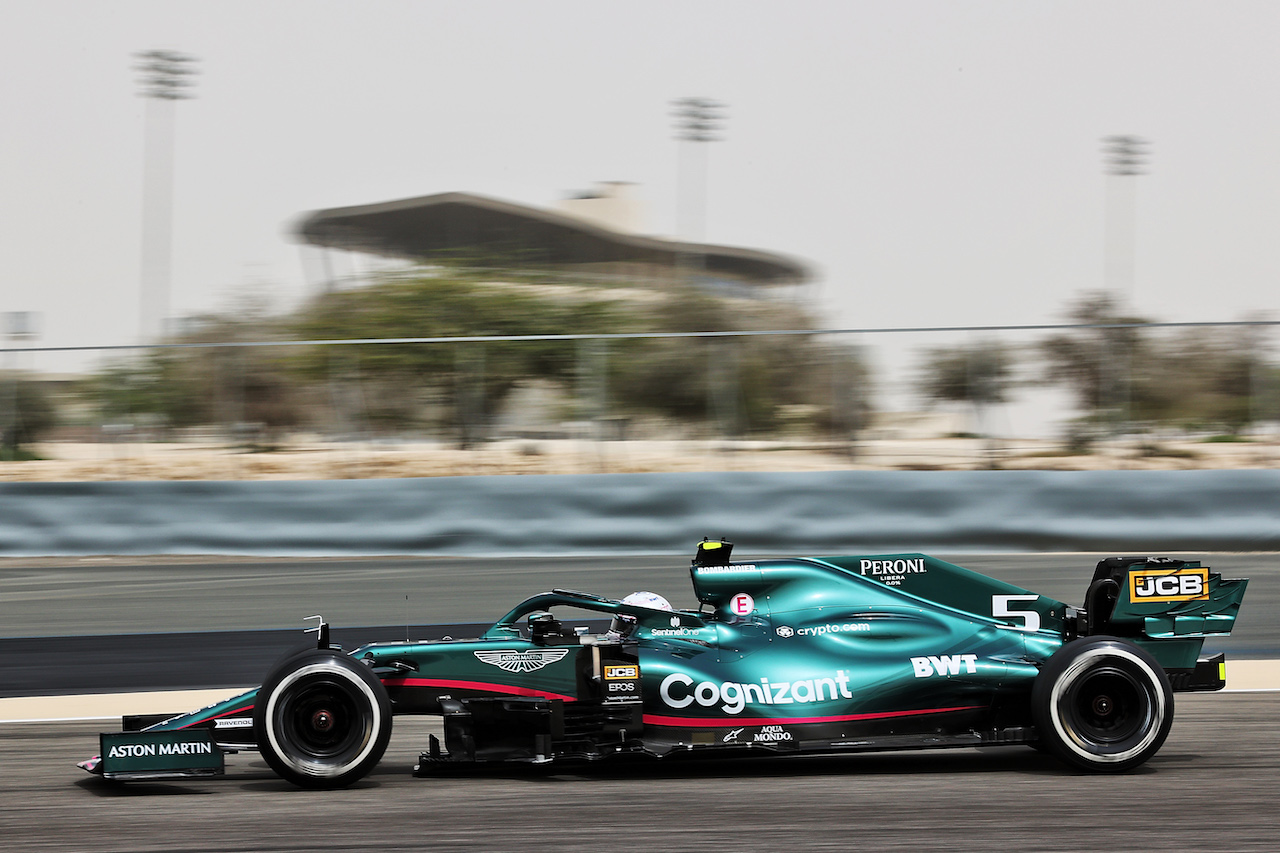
{"x": 827, "y": 512}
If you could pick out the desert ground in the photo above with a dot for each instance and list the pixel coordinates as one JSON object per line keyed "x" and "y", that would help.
{"x": 313, "y": 458}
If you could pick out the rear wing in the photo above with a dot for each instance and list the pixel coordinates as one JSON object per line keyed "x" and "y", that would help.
{"x": 1161, "y": 598}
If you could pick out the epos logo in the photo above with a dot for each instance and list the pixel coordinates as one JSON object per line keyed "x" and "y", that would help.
{"x": 1180, "y": 585}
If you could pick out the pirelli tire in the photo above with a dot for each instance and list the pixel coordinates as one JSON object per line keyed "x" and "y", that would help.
{"x": 322, "y": 719}
{"x": 1102, "y": 704}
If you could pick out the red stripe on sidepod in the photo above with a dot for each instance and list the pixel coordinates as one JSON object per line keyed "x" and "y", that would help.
{"x": 718, "y": 722}
{"x": 475, "y": 685}
{"x": 231, "y": 713}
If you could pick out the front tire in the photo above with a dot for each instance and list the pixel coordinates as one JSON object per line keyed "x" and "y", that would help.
{"x": 1102, "y": 704}
{"x": 322, "y": 719}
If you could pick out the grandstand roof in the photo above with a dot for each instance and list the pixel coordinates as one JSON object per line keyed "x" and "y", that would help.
{"x": 453, "y": 225}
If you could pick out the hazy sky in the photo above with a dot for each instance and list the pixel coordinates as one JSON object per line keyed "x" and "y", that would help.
{"x": 937, "y": 162}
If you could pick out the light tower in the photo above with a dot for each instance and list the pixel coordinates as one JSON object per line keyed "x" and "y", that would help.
{"x": 698, "y": 121}
{"x": 166, "y": 78}
{"x": 1124, "y": 159}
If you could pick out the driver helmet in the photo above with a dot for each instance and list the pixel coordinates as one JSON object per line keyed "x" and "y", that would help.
{"x": 651, "y": 600}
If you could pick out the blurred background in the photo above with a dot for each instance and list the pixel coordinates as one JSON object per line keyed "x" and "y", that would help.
{"x": 312, "y": 240}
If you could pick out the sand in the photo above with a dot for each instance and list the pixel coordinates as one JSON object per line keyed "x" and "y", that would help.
{"x": 310, "y": 459}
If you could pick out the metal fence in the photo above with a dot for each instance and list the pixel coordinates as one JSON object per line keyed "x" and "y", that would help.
{"x": 829, "y": 399}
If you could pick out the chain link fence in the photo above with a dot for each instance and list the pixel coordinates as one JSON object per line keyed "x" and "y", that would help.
{"x": 1051, "y": 396}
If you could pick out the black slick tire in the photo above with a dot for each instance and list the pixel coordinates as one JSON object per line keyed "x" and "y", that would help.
{"x": 322, "y": 719}
{"x": 1102, "y": 704}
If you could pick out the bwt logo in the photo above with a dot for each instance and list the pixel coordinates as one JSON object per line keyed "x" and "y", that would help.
{"x": 944, "y": 665}
{"x": 1182, "y": 585}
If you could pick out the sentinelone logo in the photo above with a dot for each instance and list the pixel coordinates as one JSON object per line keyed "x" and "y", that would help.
{"x": 1157, "y": 585}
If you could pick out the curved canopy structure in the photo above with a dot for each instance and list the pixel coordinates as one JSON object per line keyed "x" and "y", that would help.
{"x": 451, "y": 226}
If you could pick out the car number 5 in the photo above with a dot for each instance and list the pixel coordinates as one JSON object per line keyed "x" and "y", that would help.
{"x": 1000, "y": 608}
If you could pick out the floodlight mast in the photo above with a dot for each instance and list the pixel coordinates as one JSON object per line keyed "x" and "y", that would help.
{"x": 1125, "y": 154}
{"x": 166, "y": 78}
{"x": 698, "y": 120}
{"x": 166, "y": 74}
{"x": 1124, "y": 157}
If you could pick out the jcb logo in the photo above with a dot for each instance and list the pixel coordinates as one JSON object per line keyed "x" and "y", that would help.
{"x": 621, "y": 671}
{"x": 1181, "y": 585}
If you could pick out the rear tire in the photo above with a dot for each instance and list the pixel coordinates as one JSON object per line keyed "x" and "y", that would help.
{"x": 322, "y": 719}
{"x": 1102, "y": 704}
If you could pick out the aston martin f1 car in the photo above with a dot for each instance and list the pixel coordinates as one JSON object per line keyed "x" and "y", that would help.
{"x": 781, "y": 656}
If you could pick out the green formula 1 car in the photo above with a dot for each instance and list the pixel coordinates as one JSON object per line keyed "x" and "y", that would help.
{"x": 782, "y": 656}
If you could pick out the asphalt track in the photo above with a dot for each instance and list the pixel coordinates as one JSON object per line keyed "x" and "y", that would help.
{"x": 1212, "y": 786}
{"x": 120, "y": 624}
{"x": 113, "y": 596}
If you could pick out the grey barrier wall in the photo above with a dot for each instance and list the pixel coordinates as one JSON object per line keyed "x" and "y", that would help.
{"x": 826, "y": 512}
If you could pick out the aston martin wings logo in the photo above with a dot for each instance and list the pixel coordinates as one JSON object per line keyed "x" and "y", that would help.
{"x": 509, "y": 660}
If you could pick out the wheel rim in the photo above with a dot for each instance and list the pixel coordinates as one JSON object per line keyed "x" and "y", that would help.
{"x": 322, "y": 720}
{"x": 1108, "y": 706}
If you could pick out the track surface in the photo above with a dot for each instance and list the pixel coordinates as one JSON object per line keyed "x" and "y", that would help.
{"x": 111, "y": 625}
{"x": 55, "y": 597}
{"x": 1212, "y": 787}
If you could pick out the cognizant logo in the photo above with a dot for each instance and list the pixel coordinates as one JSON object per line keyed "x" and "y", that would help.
{"x": 679, "y": 691}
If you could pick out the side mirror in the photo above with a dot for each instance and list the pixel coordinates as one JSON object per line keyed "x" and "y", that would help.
{"x": 543, "y": 628}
